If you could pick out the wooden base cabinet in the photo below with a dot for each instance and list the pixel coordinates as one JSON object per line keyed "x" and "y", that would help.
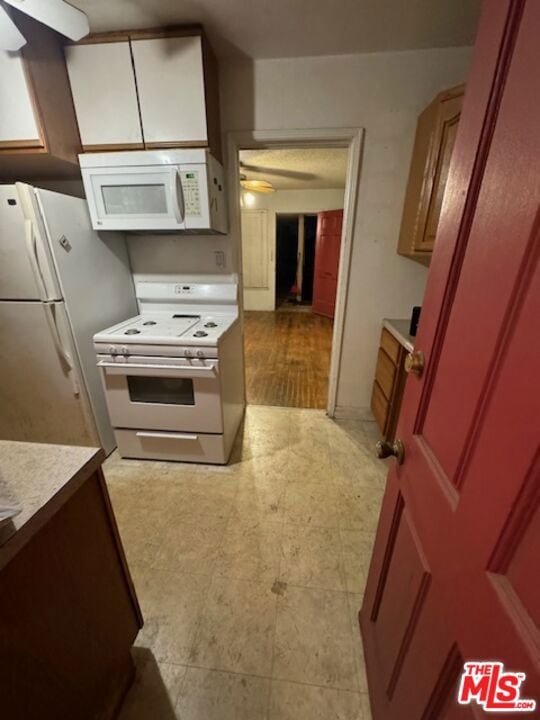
{"x": 389, "y": 384}
{"x": 68, "y": 610}
{"x": 435, "y": 137}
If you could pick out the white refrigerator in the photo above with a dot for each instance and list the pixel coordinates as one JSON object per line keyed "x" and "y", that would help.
{"x": 60, "y": 282}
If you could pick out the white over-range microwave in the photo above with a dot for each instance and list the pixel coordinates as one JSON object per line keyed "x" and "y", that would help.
{"x": 155, "y": 190}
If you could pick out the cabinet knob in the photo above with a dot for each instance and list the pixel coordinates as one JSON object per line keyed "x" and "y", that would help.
{"x": 395, "y": 449}
{"x": 414, "y": 362}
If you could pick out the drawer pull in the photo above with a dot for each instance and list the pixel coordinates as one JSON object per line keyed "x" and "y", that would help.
{"x": 167, "y": 435}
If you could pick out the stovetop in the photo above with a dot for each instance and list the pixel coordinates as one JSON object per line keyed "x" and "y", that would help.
{"x": 169, "y": 328}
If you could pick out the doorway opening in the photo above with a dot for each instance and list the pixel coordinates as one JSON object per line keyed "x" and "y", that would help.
{"x": 292, "y": 205}
{"x": 295, "y": 261}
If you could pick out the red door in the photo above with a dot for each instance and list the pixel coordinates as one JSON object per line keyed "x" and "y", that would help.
{"x": 327, "y": 247}
{"x": 455, "y": 573}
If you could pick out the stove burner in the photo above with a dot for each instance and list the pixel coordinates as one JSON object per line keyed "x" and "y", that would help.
{"x": 210, "y": 324}
{"x": 150, "y": 322}
{"x": 132, "y": 331}
{"x": 200, "y": 333}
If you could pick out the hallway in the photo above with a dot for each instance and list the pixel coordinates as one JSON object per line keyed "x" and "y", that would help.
{"x": 287, "y": 358}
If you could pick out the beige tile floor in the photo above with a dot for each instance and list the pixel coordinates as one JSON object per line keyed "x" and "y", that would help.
{"x": 250, "y": 576}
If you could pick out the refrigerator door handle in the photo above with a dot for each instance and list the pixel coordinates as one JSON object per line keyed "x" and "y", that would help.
{"x": 60, "y": 349}
{"x": 31, "y": 245}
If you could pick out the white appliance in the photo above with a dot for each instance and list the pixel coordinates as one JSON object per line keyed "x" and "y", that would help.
{"x": 155, "y": 190}
{"x": 59, "y": 283}
{"x": 173, "y": 375}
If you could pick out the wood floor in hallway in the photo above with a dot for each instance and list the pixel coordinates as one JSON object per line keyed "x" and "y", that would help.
{"x": 287, "y": 358}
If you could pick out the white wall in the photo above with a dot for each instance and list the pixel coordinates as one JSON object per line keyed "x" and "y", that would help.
{"x": 383, "y": 93}
{"x": 285, "y": 201}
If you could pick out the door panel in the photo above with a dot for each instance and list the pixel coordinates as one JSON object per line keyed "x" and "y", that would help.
{"x": 405, "y": 584}
{"x": 257, "y": 267}
{"x": 37, "y": 391}
{"x": 468, "y": 490}
{"x": 327, "y": 250}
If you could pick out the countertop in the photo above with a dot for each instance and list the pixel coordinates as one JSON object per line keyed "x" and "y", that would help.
{"x": 34, "y": 473}
{"x": 400, "y": 330}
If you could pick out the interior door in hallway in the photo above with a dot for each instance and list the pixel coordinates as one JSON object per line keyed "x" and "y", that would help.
{"x": 327, "y": 248}
{"x": 257, "y": 261}
{"x": 454, "y": 573}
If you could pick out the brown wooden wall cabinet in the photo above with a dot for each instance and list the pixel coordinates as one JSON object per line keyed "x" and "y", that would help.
{"x": 147, "y": 89}
{"x": 39, "y": 137}
{"x": 435, "y": 136}
{"x": 68, "y": 610}
{"x": 389, "y": 384}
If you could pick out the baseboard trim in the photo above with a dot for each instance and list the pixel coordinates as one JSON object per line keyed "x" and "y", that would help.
{"x": 354, "y": 413}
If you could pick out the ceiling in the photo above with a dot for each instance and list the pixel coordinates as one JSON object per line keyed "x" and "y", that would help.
{"x": 297, "y": 168}
{"x": 298, "y": 28}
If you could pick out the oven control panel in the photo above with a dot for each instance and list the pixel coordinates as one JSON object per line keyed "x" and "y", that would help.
{"x": 119, "y": 353}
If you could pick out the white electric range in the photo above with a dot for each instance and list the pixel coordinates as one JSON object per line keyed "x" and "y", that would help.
{"x": 173, "y": 375}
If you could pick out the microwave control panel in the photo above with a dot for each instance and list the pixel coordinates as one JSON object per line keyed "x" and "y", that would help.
{"x": 191, "y": 190}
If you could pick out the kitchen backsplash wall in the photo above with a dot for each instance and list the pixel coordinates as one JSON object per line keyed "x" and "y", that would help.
{"x": 154, "y": 256}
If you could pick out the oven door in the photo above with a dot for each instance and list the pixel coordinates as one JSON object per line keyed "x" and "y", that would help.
{"x": 174, "y": 394}
{"x": 135, "y": 198}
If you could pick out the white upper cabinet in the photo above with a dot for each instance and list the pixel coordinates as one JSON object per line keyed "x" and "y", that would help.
{"x": 39, "y": 137}
{"x": 146, "y": 89}
{"x": 170, "y": 81}
{"x": 18, "y": 124}
{"x": 105, "y": 95}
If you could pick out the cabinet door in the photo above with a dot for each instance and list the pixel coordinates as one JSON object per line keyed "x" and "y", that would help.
{"x": 105, "y": 96}
{"x": 448, "y": 114}
{"x": 18, "y": 126}
{"x": 170, "y": 81}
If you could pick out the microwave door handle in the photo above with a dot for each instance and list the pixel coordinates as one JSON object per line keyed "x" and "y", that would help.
{"x": 177, "y": 194}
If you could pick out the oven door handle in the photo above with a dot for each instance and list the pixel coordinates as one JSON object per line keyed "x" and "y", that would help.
{"x": 188, "y": 371}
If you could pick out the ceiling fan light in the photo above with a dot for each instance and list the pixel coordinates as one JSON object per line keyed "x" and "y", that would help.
{"x": 261, "y": 186}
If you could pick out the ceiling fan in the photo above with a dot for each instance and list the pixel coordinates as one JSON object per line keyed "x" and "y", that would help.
{"x": 264, "y": 186}
{"x": 261, "y": 186}
{"x": 56, "y": 14}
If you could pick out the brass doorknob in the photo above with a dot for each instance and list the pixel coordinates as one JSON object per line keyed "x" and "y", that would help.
{"x": 395, "y": 449}
{"x": 414, "y": 362}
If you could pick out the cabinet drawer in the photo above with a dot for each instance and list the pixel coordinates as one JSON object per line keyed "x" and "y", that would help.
{"x": 379, "y": 407}
{"x": 385, "y": 374}
{"x": 191, "y": 447}
{"x": 390, "y": 345}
